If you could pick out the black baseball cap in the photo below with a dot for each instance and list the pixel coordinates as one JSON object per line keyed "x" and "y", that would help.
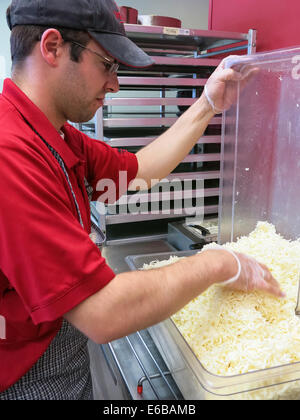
{"x": 100, "y": 18}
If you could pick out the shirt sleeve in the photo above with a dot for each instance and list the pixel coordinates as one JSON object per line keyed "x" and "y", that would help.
{"x": 47, "y": 257}
{"x": 109, "y": 170}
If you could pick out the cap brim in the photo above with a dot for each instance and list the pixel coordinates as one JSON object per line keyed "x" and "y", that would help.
{"x": 123, "y": 49}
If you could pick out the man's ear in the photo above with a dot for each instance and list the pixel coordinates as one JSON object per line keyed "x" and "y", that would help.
{"x": 51, "y": 46}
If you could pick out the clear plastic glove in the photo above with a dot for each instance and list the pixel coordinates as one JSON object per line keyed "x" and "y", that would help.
{"x": 251, "y": 275}
{"x": 221, "y": 88}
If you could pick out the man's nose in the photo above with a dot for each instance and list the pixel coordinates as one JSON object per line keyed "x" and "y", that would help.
{"x": 112, "y": 84}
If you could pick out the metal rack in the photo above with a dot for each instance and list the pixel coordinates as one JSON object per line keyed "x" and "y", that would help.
{"x": 142, "y": 369}
{"x": 154, "y": 99}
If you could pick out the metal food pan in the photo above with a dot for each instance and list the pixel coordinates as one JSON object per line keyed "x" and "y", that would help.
{"x": 136, "y": 262}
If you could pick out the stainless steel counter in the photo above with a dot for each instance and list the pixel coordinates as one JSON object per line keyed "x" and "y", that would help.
{"x": 135, "y": 360}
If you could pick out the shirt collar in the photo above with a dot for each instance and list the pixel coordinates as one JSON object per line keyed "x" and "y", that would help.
{"x": 38, "y": 120}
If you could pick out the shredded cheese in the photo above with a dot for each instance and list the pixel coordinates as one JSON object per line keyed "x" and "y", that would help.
{"x": 233, "y": 332}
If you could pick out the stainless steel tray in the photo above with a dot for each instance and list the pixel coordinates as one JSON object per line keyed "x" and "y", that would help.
{"x": 136, "y": 262}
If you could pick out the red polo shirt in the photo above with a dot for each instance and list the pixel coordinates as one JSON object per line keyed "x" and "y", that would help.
{"x": 48, "y": 264}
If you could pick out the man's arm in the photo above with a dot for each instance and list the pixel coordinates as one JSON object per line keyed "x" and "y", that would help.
{"x": 160, "y": 158}
{"x": 135, "y": 300}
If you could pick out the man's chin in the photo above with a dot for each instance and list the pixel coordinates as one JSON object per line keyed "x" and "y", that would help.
{"x": 81, "y": 120}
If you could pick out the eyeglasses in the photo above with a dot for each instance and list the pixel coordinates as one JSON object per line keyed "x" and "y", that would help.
{"x": 111, "y": 66}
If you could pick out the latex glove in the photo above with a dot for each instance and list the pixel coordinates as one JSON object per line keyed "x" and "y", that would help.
{"x": 251, "y": 275}
{"x": 221, "y": 88}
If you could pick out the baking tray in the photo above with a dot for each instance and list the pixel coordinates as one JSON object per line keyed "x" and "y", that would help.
{"x": 193, "y": 380}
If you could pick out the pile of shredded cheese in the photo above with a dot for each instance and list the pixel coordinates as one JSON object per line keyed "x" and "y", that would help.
{"x": 234, "y": 332}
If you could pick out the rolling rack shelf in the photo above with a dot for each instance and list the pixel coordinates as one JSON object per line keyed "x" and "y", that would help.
{"x": 148, "y": 103}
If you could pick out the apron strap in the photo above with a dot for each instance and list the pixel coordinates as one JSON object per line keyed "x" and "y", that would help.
{"x": 62, "y": 165}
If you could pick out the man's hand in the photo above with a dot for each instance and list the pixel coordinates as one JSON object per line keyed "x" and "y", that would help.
{"x": 221, "y": 88}
{"x": 249, "y": 274}
{"x": 255, "y": 276}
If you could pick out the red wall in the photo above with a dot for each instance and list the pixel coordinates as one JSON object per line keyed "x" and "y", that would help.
{"x": 277, "y": 21}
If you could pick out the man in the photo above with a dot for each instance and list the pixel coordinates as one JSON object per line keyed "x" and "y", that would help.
{"x": 55, "y": 288}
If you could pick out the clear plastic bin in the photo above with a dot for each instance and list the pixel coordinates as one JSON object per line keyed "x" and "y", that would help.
{"x": 194, "y": 381}
{"x": 260, "y": 181}
{"x": 260, "y": 174}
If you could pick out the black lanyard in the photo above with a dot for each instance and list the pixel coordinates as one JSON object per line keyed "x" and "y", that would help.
{"x": 62, "y": 165}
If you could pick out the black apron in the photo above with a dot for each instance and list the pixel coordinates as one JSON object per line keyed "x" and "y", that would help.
{"x": 62, "y": 373}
